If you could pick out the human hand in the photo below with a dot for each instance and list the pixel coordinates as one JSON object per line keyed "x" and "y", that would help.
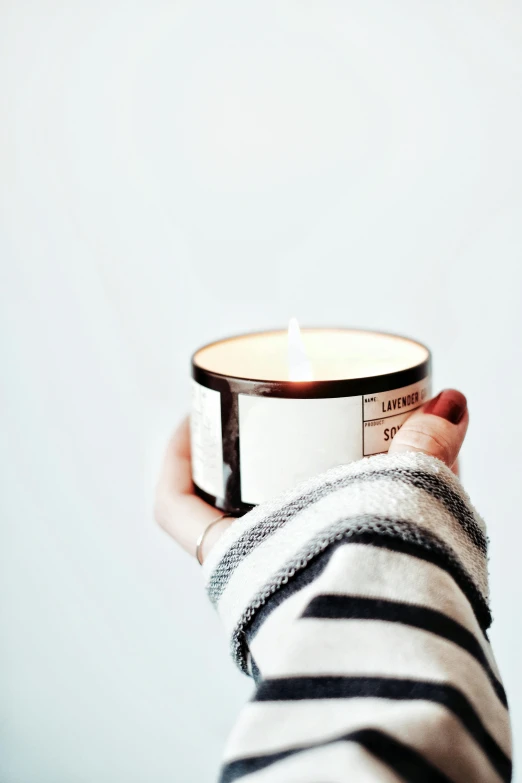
{"x": 437, "y": 429}
{"x": 178, "y": 510}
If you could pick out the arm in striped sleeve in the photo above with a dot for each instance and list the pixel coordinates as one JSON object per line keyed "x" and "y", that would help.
{"x": 359, "y": 604}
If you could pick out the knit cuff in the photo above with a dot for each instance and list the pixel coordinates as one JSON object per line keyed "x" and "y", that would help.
{"x": 409, "y": 497}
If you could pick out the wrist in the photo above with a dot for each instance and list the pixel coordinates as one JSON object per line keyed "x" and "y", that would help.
{"x": 213, "y": 532}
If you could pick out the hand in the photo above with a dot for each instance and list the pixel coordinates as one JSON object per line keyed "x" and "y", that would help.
{"x": 438, "y": 429}
{"x": 177, "y": 509}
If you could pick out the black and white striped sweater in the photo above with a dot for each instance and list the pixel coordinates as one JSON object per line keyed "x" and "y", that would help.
{"x": 358, "y": 601}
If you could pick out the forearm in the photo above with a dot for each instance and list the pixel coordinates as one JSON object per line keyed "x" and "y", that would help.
{"x": 359, "y": 602}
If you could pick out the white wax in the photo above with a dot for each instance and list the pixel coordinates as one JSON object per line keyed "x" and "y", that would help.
{"x": 334, "y": 354}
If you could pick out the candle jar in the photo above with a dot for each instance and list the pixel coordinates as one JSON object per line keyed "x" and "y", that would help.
{"x": 256, "y": 432}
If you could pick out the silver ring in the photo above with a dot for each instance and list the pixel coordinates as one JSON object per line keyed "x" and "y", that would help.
{"x": 201, "y": 538}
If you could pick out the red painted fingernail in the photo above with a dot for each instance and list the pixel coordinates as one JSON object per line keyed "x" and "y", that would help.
{"x": 450, "y": 404}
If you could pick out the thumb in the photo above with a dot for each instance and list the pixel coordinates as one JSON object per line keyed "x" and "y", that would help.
{"x": 437, "y": 429}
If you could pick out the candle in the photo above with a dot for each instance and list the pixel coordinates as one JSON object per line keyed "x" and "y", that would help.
{"x": 273, "y": 408}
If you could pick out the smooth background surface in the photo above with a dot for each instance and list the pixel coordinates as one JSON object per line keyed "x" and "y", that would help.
{"x": 172, "y": 172}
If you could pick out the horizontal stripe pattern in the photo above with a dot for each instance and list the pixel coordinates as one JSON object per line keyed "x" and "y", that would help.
{"x": 268, "y": 727}
{"x": 386, "y": 568}
{"x": 362, "y": 505}
{"x": 301, "y": 688}
{"x": 359, "y": 602}
{"x": 408, "y": 764}
{"x": 336, "y": 762}
{"x": 357, "y": 649}
{"x": 395, "y": 535}
{"x": 346, "y": 607}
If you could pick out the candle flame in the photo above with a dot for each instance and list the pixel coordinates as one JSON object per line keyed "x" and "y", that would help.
{"x": 299, "y": 367}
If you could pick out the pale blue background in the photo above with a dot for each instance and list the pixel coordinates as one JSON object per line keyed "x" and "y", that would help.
{"x": 175, "y": 171}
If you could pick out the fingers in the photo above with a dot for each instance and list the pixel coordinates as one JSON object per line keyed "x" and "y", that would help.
{"x": 176, "y": 465}
{"x": 438, "y": 428}
{"x": 177, "y": 509}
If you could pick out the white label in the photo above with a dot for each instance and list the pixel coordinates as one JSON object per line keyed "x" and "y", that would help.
{"x": 385, "y": 412}
{"x": 378, "y": 433}
{"x": 283, "y": 441}
{"x": 206, "y": 440}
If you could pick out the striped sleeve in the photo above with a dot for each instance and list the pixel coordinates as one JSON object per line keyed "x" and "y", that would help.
{"x": 358, "y": 602}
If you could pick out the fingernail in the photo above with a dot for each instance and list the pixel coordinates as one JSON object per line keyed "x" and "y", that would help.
{"x": 450, "y": 404}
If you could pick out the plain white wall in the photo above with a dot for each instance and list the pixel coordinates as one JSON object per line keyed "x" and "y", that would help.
{"x": 171, "y": 172}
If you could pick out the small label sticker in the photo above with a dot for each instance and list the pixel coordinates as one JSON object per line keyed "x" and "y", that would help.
{"x": 385, "y": 412}
{"x": 378, "y": 433}
{"x": 206, "y": 440}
